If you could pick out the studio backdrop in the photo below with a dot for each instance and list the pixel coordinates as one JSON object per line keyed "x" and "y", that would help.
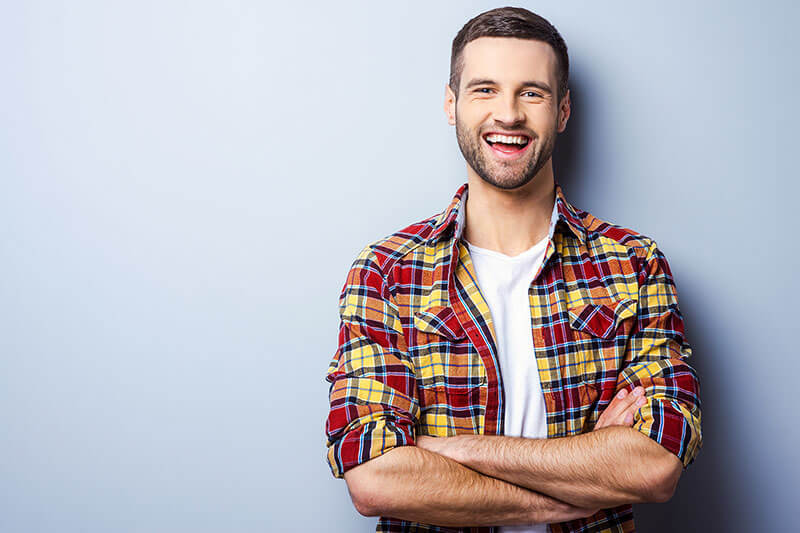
{"x": 184, "y": 185}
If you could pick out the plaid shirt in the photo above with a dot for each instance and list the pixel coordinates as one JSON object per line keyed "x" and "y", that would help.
{"x": 417, "y": 352}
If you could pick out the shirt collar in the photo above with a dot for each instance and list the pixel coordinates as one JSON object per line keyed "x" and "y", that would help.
{"x": 453, "y": 216}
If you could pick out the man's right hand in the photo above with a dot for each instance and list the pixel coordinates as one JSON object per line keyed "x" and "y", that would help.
{"x": 618, "y": 413}
{"x": 622, "y": 408}
{"x": 559, "y": 511}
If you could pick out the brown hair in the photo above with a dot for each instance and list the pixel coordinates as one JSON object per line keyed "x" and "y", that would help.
{"x": 510, "y": 22}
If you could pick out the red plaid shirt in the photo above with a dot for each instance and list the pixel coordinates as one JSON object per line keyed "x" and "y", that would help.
{"x": 417, "y": 355}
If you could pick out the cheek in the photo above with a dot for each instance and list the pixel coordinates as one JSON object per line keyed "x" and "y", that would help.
{"x": 471, "y": 117}
{"x": 542, "y": 122}
{"x": 543, "y": 115}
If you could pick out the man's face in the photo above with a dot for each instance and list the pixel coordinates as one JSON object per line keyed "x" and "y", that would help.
{"x": 507, "y": 86}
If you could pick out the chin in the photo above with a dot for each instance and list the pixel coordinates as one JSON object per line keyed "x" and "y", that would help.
{"x": 507, "y": 184}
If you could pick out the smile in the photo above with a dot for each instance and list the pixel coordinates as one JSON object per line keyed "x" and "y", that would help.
{"x": 507, "y": 146}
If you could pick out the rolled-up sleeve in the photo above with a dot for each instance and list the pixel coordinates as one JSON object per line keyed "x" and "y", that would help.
{"x": 657, "y": 359}
{"x": 373, "y": 391}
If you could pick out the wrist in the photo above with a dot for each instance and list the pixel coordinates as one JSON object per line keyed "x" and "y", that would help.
{"x": 544, "y": 509}
{"x": 461, "y": 448}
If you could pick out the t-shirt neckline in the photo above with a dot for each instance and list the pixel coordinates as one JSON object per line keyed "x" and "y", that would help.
{"x": 533, "y": 250}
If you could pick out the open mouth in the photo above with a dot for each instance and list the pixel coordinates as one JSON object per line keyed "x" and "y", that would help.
{"x": 507, "y": 144}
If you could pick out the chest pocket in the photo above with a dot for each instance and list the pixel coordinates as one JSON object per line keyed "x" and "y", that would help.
{"x": 443, "y": 356}
{"x": 451, "y": 378}
{"x": 605, "y": 320}
{"x": 600, "y": 334}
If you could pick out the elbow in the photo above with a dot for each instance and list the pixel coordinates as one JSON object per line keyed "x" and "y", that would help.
{"x": 666, "y": 481}
{"x": 372, "y": 484}
{"x": 359, "y": 479}
{"x": 360, "y": 503}
{"x": 363, "y": 508}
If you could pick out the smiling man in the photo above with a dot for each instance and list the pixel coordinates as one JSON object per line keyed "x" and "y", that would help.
{"x": 512, "y": 363}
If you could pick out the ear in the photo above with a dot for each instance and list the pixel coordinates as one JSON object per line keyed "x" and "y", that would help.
{"x": 564, "y": 110}
{"x": 450, "y": 105}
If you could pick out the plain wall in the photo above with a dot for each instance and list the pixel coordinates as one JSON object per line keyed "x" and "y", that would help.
{"x": 184, "y": 185}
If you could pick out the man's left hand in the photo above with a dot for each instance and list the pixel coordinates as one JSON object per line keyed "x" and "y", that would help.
{"x": 622, "y": 409}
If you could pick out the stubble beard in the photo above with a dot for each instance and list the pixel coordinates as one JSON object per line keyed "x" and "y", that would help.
{"x": 502, "y": 175}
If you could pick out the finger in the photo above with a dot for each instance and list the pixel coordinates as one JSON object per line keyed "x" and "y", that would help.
{"x": 617, "y": 403}
{"x": 622, "y": 403}
{"x": 638, "y": 404}
{"x": 630, "y": 414}
{"x": 632, "y": 399}
{"x": 611, "y": 411}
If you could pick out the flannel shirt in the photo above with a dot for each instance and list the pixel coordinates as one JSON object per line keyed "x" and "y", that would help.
{"x": 417, "y": 355}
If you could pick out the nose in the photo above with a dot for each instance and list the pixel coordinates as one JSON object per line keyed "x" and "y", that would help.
{"x": 508, "y": 111}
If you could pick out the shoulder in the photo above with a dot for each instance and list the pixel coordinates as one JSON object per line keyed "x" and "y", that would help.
{"x": 605, "y": 237}
{"x": 385, "y": 252}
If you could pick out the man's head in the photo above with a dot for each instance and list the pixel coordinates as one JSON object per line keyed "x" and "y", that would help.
{"x": 508, "y": 75}
{"x": 510, "y": 22}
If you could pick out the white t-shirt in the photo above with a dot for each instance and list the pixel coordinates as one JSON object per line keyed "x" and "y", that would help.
{"x": 504, "y": 281}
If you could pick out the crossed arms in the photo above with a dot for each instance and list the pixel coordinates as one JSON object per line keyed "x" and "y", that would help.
{"x": 498, "y": 480}
{"x": 474, "y": 480}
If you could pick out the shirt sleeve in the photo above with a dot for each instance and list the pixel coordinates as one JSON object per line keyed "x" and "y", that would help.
{"x": 657, "y": 360}
{"x": 373, "y": 398}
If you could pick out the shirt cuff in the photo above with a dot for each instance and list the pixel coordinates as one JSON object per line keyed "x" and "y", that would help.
{"x": 671, "y": 425}
{"x": 367, "y": 441}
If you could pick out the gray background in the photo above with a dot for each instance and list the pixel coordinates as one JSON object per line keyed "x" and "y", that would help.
{"x": 183, "y": 186}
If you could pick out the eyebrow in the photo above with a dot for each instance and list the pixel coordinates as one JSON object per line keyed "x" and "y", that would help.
{"x": 485, "y": 81}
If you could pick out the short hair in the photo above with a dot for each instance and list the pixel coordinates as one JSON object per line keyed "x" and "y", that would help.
{"x": 510, "y": 22}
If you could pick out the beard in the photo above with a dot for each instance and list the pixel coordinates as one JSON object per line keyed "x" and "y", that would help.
{"x": 502, "y": 174}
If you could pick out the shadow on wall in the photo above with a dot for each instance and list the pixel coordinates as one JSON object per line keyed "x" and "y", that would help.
{"x": 566, "y": 163}
{"x": 711, "y": 495}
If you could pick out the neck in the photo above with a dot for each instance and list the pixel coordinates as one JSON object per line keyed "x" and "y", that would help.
{"x": 509, "y": 221}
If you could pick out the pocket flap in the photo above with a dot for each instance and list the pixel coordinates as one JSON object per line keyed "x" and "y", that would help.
{"x": 440, "y": 320}
{"x": 601, "y": 320}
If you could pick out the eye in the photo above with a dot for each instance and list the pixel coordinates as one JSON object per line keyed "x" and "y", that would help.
{"x": 484, "y": 89}
{"x": 533, "y": 94}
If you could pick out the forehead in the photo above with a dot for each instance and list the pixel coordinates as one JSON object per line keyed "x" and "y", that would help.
{"x": 508, "y": 60}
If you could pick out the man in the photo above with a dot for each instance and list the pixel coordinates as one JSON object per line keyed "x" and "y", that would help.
{"x": 512, "y": 363}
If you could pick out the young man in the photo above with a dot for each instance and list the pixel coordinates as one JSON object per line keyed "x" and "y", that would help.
{"x": 512, "y": 363}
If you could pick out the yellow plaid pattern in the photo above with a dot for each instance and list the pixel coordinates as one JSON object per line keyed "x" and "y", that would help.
{"x": 417, "y": 355}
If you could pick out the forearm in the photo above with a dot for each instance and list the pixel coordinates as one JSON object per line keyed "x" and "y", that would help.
{"x": 418, "y": 485}
{"x": 603, "y": 468}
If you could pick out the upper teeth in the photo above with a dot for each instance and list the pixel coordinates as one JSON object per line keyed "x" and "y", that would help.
{"x": 507, "y": 139}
